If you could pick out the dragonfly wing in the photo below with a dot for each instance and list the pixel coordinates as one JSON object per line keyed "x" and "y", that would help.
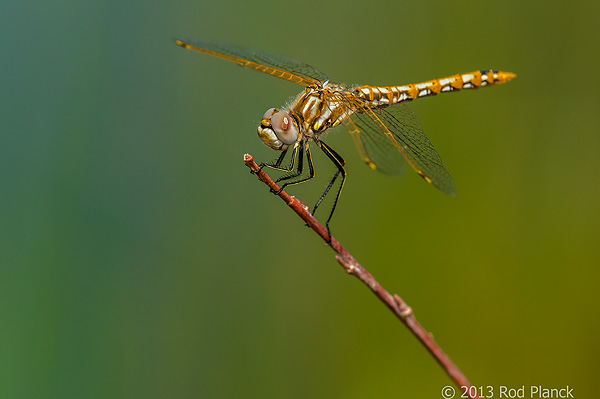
{"x": 382, "y": 133}
{"x": 375, "y": 148}
{"x": 260, "y": 60}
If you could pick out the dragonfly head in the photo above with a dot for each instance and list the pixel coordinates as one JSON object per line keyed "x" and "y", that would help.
{"x": 278, "y": 129}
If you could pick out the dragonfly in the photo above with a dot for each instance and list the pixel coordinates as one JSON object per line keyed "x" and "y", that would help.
{"x": 384, "y": 129}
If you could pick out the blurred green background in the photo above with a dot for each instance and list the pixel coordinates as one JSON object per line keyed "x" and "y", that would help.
{"x": 140, "y": 259}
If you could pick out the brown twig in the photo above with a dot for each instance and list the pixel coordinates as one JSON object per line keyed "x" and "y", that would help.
{"x": 394, "y": 303}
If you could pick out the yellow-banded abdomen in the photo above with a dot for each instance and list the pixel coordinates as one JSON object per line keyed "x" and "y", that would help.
{"x": 379, "y": 96}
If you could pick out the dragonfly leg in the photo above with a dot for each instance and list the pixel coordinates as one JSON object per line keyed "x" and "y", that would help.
{"x": 277, "y": 164}
{"x": 339, "y": 162}
{"x": 311, "y": 169}
{"x": 299, "y": 168}
{"x": 297, "y": 173}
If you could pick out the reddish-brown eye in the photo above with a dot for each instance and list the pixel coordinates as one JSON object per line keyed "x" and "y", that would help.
{"x": 284, "y": 127}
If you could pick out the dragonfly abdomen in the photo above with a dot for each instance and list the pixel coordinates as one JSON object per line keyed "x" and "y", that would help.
{"x": 379, "y": 96}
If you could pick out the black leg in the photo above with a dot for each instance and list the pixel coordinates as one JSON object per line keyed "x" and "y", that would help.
{"x": 298, "y": 171}
{"x": 326, "y": 191}
{"x": 292, "y": 175}
{"x": 277, "y": 164}
{"x": 282, "y": 156}
{"x": 339, "y": 162}
{"x": 311, "y": 170}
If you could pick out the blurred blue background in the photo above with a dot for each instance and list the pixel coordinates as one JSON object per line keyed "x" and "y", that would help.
{"x": 140, "y": 259}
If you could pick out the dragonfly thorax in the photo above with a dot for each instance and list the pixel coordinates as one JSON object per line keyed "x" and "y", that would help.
{"x": 318, "y": 109}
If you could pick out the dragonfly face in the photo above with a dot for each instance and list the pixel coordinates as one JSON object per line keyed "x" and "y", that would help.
{"x": 386, "y": 133}
{"x": 278, "y": 129}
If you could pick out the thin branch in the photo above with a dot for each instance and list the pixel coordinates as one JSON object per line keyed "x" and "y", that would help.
{"x": 394, "y": 303}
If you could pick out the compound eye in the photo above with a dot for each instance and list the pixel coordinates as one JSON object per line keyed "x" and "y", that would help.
{"x": 269, "y": 113}
{"x": 284, "y": 127}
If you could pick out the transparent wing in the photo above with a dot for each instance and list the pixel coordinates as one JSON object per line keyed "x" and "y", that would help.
{"x": 383, "y": 134}
{"x": 375, "y": 149}
{"x": 260, "y": 60}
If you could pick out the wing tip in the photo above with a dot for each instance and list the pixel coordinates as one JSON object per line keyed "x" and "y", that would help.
{"x": 448, "y": 188}
{"x": 451, "y": 190}
{"x": 180, "y": 42}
